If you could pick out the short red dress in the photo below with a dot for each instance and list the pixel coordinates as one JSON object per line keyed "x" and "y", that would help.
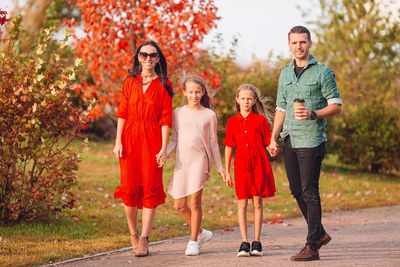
{"x": 141, "y": 178}
{"x": 253, "y": 173}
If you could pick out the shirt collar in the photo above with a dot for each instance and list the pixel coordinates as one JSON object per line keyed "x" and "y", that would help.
{"x": 240, "y": 117}
{"x": 311, "y": 61}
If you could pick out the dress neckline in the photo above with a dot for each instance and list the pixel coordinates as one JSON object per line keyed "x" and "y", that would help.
{"x": 140, "y": 80}
{"x": 186, "y": 107}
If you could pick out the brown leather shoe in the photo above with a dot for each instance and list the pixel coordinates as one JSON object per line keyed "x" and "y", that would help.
{"x": 306, "y": 254}
{"x": 324, "y": 240}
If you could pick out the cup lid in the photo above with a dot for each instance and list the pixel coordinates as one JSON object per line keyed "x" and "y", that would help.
{"x": 297, "y": 100}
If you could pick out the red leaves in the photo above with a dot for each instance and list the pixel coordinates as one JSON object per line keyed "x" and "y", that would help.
{"x": 49, "y": 106}
{"x": 275, "y": 220}
{"x": 113, "y": 30}
{"x": 3, "y": 17}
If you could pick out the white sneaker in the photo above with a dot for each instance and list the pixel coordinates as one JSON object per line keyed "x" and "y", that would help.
{"x": 204, "y": 237}
{"x": 192, "y": 248}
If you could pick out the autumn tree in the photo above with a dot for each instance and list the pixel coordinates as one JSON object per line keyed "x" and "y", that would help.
{"x": 114, "y": 29}
{"x": 359, "y": 40}
{"x": 39, "y": 14}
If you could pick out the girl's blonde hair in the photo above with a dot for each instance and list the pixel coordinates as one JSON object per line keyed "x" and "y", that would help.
{"x": 262, "y": 105}
{"x": 206, "y": 99}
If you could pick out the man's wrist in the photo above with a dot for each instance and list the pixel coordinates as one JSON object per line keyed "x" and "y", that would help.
{"x": 313, "y": 115}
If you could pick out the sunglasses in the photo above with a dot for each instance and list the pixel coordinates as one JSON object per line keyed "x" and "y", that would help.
{"x": 145, "y": 55}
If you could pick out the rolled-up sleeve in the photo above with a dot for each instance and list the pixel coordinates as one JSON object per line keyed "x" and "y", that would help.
{"x": 166, "y": 114}
{"x": 281, "y": 96}
{"x": 122, "y": 111}
{"x": 329, "y": 88}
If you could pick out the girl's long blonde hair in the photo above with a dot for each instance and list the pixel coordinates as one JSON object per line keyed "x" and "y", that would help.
{"x": 262, "y": 105}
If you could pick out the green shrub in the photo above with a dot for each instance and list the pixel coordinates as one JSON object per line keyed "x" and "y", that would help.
{"x": 37, "y": 125}
{"x": 368, "y": 138}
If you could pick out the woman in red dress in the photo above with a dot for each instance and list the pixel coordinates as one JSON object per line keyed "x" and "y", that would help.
{"x": 144, "y": 118}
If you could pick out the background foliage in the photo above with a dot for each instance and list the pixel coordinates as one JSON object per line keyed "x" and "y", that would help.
{"x": 37, "y": 123}
{"x": 368, "y": 138}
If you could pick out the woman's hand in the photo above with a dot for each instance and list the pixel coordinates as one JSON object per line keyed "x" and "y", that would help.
{"x": 227, "y": 179}
{"x": 161, "y": 157}
{"x": 118, "y": 150}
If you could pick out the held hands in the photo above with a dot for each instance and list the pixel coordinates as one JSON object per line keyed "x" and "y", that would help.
{"x": 227, "y": 179}
{"x": 162, "y": 157}
{"x": 302, "y": 113}
{"x": 118, "y": 149}
{"x": 273, "y": 149}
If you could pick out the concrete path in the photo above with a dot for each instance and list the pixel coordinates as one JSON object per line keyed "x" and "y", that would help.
{"x": 368, "y": 237}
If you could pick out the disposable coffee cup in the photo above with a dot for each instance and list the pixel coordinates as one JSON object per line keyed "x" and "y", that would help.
{"x": 297, "y": 103}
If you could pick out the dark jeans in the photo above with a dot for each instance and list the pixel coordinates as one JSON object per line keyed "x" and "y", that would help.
{"x": 303, "y": 166}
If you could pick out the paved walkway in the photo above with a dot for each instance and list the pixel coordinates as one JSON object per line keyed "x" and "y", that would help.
{"x": 368, "y": 237}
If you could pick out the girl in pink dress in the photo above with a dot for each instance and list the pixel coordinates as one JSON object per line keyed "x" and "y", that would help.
{"x": 250, "y": 133}
{"x": 194, "y": 136}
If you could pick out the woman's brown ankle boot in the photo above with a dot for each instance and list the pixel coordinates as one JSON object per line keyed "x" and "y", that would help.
{"x": 135, "y": 241}
{"x": 143, "y": 247}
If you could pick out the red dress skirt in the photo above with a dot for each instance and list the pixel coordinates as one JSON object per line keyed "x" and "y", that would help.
{"x": 252, "y": 170}
{"x": 145, "y": 113}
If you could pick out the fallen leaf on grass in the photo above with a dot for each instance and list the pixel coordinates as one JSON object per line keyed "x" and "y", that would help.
{"x": 229, "y": 229}
{"x": 75, "y": 218}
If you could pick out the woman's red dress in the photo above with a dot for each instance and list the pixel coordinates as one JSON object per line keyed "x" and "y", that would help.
{"x": 253, "y": 172}
{"x": 145, "y": 113}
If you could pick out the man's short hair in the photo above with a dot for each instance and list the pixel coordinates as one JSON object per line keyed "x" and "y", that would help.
{"x": 300, "y": 29}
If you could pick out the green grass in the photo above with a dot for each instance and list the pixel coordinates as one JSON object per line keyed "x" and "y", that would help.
{"x": 97, "y": 223}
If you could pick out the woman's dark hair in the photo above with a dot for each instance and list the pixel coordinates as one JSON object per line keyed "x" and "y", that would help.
{"x": 160, "y": 68}
{"x": 206, "y": 99}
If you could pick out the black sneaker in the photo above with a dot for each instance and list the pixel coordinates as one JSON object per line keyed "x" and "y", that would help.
{"x": 256, "y": 248}
{"x": 244, "y": 250}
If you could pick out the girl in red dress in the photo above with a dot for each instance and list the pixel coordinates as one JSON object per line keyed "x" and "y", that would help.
{"x": 250, "y": 133}
{"x": 144, "y": 118}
